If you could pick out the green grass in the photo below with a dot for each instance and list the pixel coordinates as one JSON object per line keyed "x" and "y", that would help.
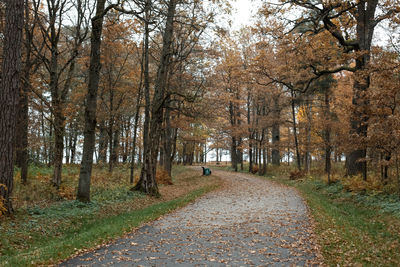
{"x": 91, "y": 233}
{"x": 350, "y": 231}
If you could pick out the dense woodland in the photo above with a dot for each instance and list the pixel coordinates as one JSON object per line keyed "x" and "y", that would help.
{"x": 152, "y": 83}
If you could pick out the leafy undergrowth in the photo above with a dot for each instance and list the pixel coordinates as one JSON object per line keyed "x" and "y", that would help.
{"x": 353, "y": 227}
{"x": 47, "y": 229}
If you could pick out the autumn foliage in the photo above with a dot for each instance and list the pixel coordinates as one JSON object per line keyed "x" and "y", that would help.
{"x": 162, "y": 177}
{"x": 3, "y": 209}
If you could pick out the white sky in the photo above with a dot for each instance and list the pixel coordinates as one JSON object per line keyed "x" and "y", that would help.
{"x": 242, "y": 13}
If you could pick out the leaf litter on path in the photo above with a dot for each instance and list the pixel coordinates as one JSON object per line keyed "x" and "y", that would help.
{"x": 249, "y": 222}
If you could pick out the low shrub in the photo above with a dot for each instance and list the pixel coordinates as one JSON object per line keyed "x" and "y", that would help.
{"x": 295, "y": 175}
{"x": 162, "y": 177}
{"x": 254, "y": 170}
{"x": 357, "y": 184}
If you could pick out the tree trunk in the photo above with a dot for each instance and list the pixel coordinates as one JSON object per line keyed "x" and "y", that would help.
{"x": 234, "y": 154}
{"x": 261, "y": 149}
{"x": 116, "y": 146}
{"x": 22, "y": 128}
{"x": 132, "y": 166}
{"x": 296, "y": 143}
{"x": 264, "y": 171}
{"x": 103, "y": 142}
{"x": 168, "y": 143}
{"x": 147, "y": 182}
{"x": 356, "y": 160}
{"x": 23, "y": 112}
{"x": 74, "y": 143}
{"x": 275, "y": 144}
{"x": 135, "y": 127}
{"x": 276, "y": 157}
{"x": 288, "y": 146}
{"x": 45, "y": 154}
{"x": 327, "y": 135}
{"x": 307, "y": 157}
{"x": 251, "y": 132}
{"x": 91, "y": 105}
{"x": 59, "y": 130}
{"x": 10, "y": 82}
{"x": 110, "y": 143}
{"x": 59, "y": 119}
{"x": 67, "y": 145}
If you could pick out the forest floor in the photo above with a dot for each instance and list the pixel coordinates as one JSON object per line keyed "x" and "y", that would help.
{"x": 249, "y": 221}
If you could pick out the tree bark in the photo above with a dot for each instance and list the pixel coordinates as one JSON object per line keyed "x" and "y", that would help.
{"x": 296, "y": 143}
{"x": 23, "y": 108}
{"x": 168, "y": 142}
{"x": 261, "y": 149}
{"x": 135, "y": 127}
{"x": 91, "y": 105}
{"x": 147, "y": 182}
{"x": 22, "y": 129}
{"x": 275, "y": 144}
{"x": 275, "y": 131}
{"x": 10, "y": 85}
{"x": 103, "y": 142}
{"x": 327, "y": 135}
{"x": 251, "y": 132}
{"x": 307, "y": 156}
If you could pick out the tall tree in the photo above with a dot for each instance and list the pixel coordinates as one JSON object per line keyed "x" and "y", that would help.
{"x": 335, "y": 17}
{"x": 153, "y": 119}
{"x": 10, "y": 85}
{"x": 59, "y": 62}
{"x": 23, "y": 109}
{"x": 83, "y": 193}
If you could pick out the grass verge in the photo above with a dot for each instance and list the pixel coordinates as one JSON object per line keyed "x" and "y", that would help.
{"x": 350, "y": 231}
{"x": 45, "y": 235}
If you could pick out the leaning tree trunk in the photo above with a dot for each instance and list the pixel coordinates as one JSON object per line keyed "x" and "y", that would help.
{"x": 10, "y": 82}
{"x": 147, "y": 182}
{"x": 91, "y": 105}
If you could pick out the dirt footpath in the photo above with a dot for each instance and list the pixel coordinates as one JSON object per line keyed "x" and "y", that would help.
{"x": 250, "y": 221}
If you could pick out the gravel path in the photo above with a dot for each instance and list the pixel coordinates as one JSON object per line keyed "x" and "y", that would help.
{"x": 250, "y": 221}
